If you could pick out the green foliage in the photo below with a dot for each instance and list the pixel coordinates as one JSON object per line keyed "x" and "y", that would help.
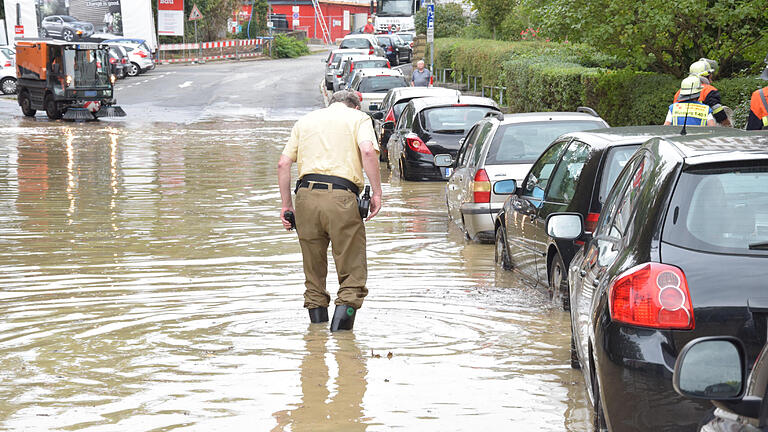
{"x": 542, "y": 76}
{"x": 449, "y": 20}
{"x": 288, "y": 47}
{"x": 493, "y": 12}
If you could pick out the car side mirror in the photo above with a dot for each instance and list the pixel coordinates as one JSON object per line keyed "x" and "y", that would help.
{"x": 712, "y": 368}
{"x": 378, "y": 115}
{"x": 505, "y": 187}
{"x": 388, "y": 126}
{"x": 443, "y": 160}
{"x": 565, "y": 226}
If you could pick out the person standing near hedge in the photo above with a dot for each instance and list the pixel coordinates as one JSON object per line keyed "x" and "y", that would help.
{"x": 704, "y": 69}
{"x": 758, "y": 106}
{"x": 421, "y": 76}
{"x": 689, "y": 111}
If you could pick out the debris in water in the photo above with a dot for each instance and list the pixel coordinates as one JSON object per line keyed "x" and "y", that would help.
{"x": 389, "y": 355}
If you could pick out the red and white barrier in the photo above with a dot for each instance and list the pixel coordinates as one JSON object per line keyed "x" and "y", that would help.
{"x": 194, "y": 47}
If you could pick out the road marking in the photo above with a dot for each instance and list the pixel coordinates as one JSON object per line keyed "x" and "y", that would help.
{"x": 186, "y": 84}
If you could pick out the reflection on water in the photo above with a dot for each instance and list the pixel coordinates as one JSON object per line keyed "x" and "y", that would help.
{"x": 147, "y": 285}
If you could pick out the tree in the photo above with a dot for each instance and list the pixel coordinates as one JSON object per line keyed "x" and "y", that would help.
{"x": 449, "y": 20}
{"x": 493, "y": 12}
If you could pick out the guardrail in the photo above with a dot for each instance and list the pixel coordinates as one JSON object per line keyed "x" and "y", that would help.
{"x": 219, "y": 50}
{"x": 471, "y": 83}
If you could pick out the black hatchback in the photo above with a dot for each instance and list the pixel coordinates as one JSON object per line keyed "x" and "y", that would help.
{"x": 396, "y": 50}
{"x": 680, "y": 251}
{"x": 574, "y": 174}
{"x": 430, "y": 126}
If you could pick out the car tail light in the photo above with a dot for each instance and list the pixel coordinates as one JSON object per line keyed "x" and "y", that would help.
{"x": 141, "y": 54}
{"x": 481, "y": 187}
{"x": 390, "y": 50}
{"x": 124, "y": 60}
{"x": 431, "y": 80}
{"x": 591, "y": 222}
{"x": 652, "y": 295}
{"x": 7, "y": 64}
{"x": 351, "y": 67}
{"x": 416, "y": 144}
{"x": 112, "y": 60}
{"x": 370, "y": 51}
{"x": 389, "y": 66}
{"x": 390, "y": 115}
{"x": 338, "y": 76}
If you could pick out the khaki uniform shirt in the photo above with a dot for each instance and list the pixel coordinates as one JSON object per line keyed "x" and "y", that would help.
{"x": 326, "y": 142}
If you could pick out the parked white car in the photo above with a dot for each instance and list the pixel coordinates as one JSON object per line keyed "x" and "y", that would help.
{"x": 7, "y": 70}
{"x": 139, "y": 55}
{"x": 373, "y": 84}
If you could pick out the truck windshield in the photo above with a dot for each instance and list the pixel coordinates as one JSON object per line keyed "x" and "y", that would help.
{"x": 395, "y": 8}
{"x": 88, "y": 68}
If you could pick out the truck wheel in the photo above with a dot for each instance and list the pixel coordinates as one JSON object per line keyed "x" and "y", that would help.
{"x": 52, "y": 108}
{"x": 133, "y": 69}
{"x": 68, "y": 35}
{"x": 8, "y": 85}
{"x": 26, "y": 104}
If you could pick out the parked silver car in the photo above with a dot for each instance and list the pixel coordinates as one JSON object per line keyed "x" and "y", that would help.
{"x": 333, "y": 63}
{"x": 501, "y": 147}
{"x": 65, "y": 27}
{"x": 352, "y": 64}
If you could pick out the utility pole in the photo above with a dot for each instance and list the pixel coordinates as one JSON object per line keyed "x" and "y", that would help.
{"x": 431, "y": 34}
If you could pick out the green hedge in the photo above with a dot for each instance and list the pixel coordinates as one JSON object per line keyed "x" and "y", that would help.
{"x": 544, "y": 76}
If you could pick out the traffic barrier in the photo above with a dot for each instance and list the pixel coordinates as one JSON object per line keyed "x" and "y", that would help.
{"x": 227, "y": 49}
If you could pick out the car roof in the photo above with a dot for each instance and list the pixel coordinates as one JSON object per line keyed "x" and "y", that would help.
{"x": 351, "y": 51}
{"x": 547, "y": 116}
{"x": 718, "y": 144}
{"x": 380, "y": 71}
{"x": 359, "y": 57}
{"x": 431, "y": 101}
{"x": 418, "y": 92}
{"x": 627, "y": 135}
{"x": 358, "y": 36}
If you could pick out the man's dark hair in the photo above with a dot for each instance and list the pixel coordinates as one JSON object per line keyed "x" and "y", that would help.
{"x": 347, "y": 97}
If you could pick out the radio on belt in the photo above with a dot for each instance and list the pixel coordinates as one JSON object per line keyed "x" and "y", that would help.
{"x": 364, "y": 203}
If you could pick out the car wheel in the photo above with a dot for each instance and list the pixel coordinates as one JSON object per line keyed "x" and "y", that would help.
{"x": 558, "y": 282}
{"x": 26, "y": 104}
{"x": 8, "y": 85}
{"x": 52, "y": 108}
{"x": 68, "y": 35}
{"x": 501, "y": 257}
{"x": 133, "y": 69}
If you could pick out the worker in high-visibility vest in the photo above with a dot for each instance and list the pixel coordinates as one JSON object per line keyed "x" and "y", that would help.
{"x": 758, "y": 106}
{"x": 689, "y": 111}
{"x": 705, "y": 70}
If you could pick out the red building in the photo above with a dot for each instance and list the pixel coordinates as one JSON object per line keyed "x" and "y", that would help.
{"x": 341, "y": 16}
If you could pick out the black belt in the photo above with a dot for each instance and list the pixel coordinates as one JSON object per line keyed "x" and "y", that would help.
{"x": 321, "y": 181}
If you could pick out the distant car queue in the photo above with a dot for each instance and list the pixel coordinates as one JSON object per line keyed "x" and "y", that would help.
{"x": 653, "y": 237}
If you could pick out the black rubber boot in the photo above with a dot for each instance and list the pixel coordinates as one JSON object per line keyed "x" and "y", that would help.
{"x": 318, "y": 315}
{"x": 343, "y": 318}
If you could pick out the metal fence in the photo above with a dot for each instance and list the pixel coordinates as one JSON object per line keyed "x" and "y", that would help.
{"x": 219, "y": 50}
{"x": 448, "y": 76}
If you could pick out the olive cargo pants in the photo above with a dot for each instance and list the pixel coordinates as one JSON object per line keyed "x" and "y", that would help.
{"x": 331, "y": 215}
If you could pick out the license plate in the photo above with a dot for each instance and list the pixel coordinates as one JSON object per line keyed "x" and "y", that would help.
{"x": 91, "y": 93}
{"x": 448, "y": 171}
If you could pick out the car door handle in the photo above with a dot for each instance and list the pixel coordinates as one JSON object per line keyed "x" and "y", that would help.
{"x": 583, "y": 273}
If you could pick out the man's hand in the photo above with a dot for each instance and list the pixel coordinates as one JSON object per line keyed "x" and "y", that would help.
{"x": 285, "y": 221}
{"x": 375, "y": 206}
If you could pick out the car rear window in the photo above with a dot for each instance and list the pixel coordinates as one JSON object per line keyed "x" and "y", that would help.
{"x": 453, "y": 119}
{"x": 406, "y": 37}
{"x": 720, "y": 210}
{"x": 615, "y": 160}
{"x": 380, "y": 84}
{"x": 358, "y": 43}
{"x": 524, "y": 142}
{"x": 367, "y": 64}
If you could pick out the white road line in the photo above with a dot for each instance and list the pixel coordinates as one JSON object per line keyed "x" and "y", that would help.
{"x": 186, "y": 84}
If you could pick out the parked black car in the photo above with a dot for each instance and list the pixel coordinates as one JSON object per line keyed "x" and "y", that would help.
{"x": 574, "y": 174}
{"x": 397, "y": 50}
{"x": 430, "y": 126}
{"x": 680, "y": 251}
{"x": 715, "y": 368}
{"x": 118, "y": 59}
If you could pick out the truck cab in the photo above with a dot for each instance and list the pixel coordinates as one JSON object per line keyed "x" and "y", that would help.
{"x": 68, "y": 80}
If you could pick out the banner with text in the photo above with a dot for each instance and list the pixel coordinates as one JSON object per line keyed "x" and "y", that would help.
{"x": 170, "y": 17}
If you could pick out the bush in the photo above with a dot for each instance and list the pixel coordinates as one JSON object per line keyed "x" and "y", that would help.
{"x": 449, "y": 20}
{"x": 542, "y": 76}
{"x": 288, "y": 47}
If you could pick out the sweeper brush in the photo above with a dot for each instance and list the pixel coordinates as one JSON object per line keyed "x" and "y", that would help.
{"x": 77, "y": 114}
{"x": 110, "y": 111}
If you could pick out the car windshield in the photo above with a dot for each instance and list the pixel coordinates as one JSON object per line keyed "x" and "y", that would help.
{"x": 524, "y": 142}
{"x": 355, "y": 43}
{"x": 367, "y": 64}
{"x": 88, "y": 68}
{"x": 454, "y": 119}
{"x": 68, "y": 19}
{"x": 395, "y": 8}
{"x": 721, "y": 210}
{"x": 380, "y": 84}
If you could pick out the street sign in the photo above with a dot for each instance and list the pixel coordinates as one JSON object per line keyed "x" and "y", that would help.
{"x": 170, "y": 17}
{"x": 430, "y": 35}
{"x": 430, "y": 16}
{"x": 295, "y": 15}
{"x": 195, "y": 14}
{"x": 270, "y": 24}
{"x": 19, "y": 31}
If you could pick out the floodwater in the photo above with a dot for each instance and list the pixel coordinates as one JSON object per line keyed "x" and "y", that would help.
{"x": 147, "y": 285}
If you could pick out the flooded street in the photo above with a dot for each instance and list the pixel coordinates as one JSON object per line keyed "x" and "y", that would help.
{"x": 147, "y": 285}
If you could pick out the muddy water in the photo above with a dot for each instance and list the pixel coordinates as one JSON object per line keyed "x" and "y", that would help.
{"x": 147, "y": 286}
